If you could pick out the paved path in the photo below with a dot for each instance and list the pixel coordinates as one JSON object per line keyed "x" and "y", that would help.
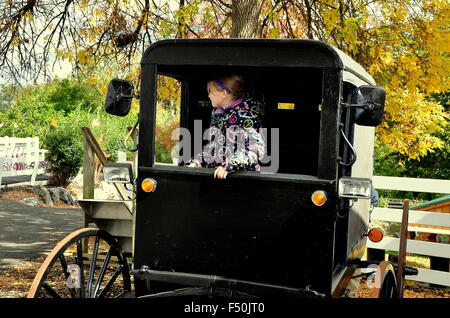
{"x": 26, "y": 232}
{"x": 23, "y": 179}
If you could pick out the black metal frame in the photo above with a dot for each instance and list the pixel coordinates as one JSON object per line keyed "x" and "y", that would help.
{"x": 212, "y": 285}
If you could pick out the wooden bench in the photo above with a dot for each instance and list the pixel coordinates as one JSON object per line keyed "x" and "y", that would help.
{"x": 21, "y": 161}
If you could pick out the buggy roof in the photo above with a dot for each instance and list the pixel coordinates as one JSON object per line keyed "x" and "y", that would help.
{"x": 255, "y": 52}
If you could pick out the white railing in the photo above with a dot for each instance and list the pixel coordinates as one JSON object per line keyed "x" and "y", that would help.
{"x": 417, "y": 218}
{"x": 21, "y": 157}
{"x": 412, "y": 184}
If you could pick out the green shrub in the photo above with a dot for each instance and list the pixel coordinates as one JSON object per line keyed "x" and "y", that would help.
{"x": 55, "y": 112}
{"x": 113, "y": 146}
{"x": 67, "y": 95}
{"x": 28, "y": 117}
{"x": 36, "y": 107}
{"x": 65, "y": 141}
{"x": 110, "y": 132}
{"x": 162, "y": 154}
{"x": 65, "y": 156}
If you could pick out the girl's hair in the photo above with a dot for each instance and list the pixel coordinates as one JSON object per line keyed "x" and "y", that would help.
{"x": 233, "y": 83}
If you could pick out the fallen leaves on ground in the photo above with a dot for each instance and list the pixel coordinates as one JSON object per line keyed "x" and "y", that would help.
{"x": 15, "y": 282}
{"x": 411, "y": 290}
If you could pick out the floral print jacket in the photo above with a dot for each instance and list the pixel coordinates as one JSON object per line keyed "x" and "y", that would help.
{"x": 235, "y": 141}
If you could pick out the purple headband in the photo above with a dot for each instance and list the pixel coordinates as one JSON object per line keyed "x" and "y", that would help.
{"x": 222, "y": 86}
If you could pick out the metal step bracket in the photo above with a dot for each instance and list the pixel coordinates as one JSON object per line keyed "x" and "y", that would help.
{"x": 112, "y": 216}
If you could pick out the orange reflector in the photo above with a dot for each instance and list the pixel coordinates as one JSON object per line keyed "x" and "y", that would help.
{"x": 319, "y": 198}
{"x": 375, "y": 235}
{"x": 148, "y": 185}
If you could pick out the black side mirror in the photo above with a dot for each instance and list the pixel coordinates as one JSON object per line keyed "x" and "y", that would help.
{"x": 369, "y": 105}
{"x": 118, "y": 98}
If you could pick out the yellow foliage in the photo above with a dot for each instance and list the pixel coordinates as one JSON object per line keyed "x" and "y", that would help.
{"x": 84, "y": 58}
{"x": 410, "y": 120}
{"x": 81, "y": 56}
{"x": 387, "y": 58}
{"x": 404, "y": 44}
{"x": 406, "y": 48}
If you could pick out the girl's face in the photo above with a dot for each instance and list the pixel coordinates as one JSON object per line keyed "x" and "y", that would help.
{"x": 218, "y": 97}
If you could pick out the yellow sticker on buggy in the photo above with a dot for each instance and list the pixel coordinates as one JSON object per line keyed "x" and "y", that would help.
{"x": 290, "y": 106}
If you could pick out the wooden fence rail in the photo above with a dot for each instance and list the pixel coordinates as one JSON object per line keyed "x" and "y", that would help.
{"x": 417, "y": 218}
{"x": 412, "y": 184}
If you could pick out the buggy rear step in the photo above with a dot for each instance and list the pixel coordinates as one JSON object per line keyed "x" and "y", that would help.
{"x": 219, "y": 286}
{"x": 112, "y": 216}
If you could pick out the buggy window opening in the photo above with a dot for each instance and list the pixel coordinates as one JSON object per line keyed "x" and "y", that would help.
{"x": 299, "y": 124}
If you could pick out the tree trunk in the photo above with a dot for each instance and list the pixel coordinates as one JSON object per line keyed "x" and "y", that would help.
{"x": 181, "y": 30}
{"x": 245, "y": 17}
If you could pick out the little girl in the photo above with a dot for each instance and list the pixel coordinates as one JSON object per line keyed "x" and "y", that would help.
{"x": 234, "y": 141}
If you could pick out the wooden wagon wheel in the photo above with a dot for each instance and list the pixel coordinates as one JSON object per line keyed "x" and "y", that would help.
{"x": 385, "y": 281}
{"x": 63, "y": 272}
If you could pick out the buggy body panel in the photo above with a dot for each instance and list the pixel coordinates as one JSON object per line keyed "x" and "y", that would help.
{"x": 247, "y": 234}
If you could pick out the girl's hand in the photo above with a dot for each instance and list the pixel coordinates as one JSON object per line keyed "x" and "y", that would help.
{"x": 192, "y": 165}
{"x": 220, "y": 173}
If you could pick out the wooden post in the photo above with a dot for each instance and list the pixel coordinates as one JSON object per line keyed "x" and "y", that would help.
{"x": 88, "y": 183}
{"x": 88, "y": 171}
{"x": 402, "y": 249}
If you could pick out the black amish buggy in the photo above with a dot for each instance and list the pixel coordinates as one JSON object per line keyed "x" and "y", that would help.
{"x": 298, "y": 228}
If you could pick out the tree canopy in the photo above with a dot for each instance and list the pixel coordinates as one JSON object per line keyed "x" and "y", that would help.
{"x": 404, "y": 44}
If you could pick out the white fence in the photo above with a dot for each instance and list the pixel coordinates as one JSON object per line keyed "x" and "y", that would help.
{"x": 21, "y": 157}
{"x": 416, "y": 217}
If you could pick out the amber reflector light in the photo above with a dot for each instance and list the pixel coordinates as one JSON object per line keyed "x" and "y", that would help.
{"x": 319, "y": 198}
{"x": 375, "y": 235}
{"x": 148, "y": 185}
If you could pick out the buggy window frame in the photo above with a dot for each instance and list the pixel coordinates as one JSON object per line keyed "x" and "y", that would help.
{"x": 290, "y": 53}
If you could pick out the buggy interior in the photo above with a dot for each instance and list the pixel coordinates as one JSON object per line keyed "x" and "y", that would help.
{"x": 292, "y": 98}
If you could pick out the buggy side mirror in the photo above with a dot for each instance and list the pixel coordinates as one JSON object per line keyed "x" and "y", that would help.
{"x": 118, "y": 98}
{"x": 369, "y": 105}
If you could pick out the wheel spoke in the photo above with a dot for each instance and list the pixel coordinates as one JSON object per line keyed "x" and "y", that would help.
{"x": 80, "y": 264}
{"x": 92, "y": 268}
{"x": 50, "y": 290}
{"x": 126, "y": 278}
{"x": 111, "y": 282}
{"x": 63, "y": 262}
{"x": 101, "y": 275}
